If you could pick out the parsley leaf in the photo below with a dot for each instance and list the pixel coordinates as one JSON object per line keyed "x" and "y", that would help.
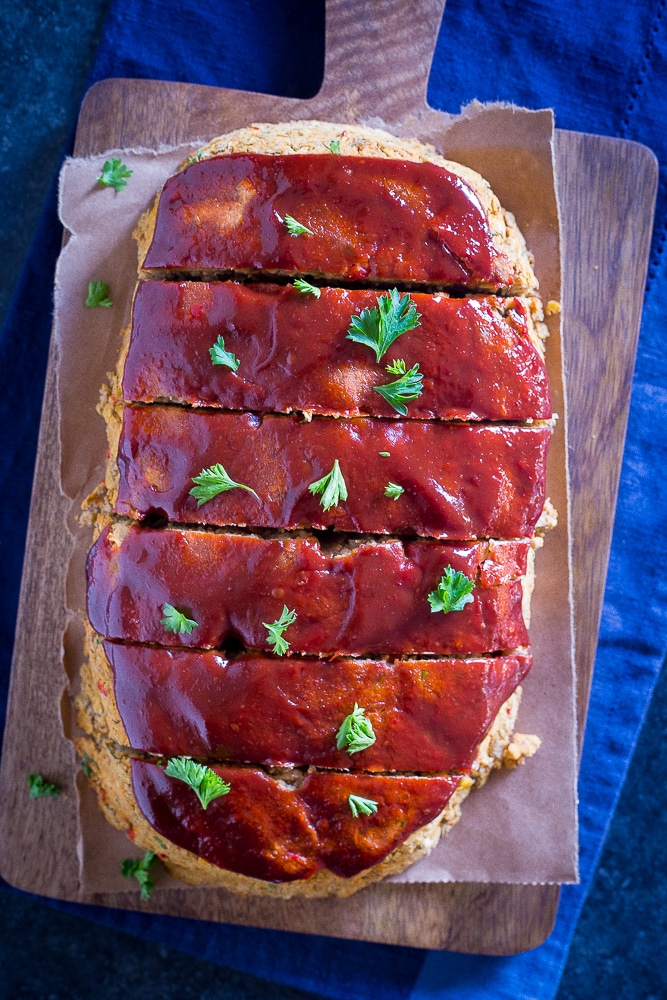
{"x": 139, "y": 867}
{"x": 176, "y": 621}
{"x": 98, "y": 295}
{"x": 393, "y": 491}
{"x": 40, "y": 787}
{"x": 380, "y": 326}
{"x": 219, "y": 356}
{"x": 333, "y": 146}
{"x": 211, "y": 482}
{"x": 408, "y": 386}
{"x": 86, "y": 765}
{"x": 361, "y": 805}
{"x": 306, "y": 288}
{"x": 206, "y": 784}
{"x": 295, "y": 228}
{"x": 114, "y": 174}
{"x": 356, "y": 732}
{"x": 452, "y": 593}
{"x": 332, "y": 487}
{"x": 276, "y": 629}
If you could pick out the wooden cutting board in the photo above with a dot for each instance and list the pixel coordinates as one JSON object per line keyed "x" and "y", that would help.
{"x": 607, "y": 191}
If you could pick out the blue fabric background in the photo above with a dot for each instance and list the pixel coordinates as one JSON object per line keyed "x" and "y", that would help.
{"x": 602, "y": 68}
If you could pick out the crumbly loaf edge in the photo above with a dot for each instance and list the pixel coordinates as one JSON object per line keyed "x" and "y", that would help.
{"x": 109, "y": 773}
{"x": 356, "y": 140}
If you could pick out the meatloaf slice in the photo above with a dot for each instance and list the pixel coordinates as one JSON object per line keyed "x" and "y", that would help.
{"x": 347, "y": 218}
{"x": 365, "y": 598}
{"x": 427, "y": 715}
{"x": 457, "y": 481}
{"x": 480, "y": 358}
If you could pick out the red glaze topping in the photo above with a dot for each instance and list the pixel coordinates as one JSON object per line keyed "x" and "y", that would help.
{"x": 477, "y": 363}
{"x": 369, "y": 219}
{"x": 459, "y": 481}
{"x": 427, "y": 715}
{"x": 371, "y": 599}
{"x": 268, "y": 831}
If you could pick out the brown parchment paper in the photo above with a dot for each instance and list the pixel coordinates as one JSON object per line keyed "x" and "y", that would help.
{"x": 522, "y": 826}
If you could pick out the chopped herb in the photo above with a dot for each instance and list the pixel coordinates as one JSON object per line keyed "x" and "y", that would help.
{"x": 295, "y": 228}
{"x": 361, "y": 805}
{"x": 86, "y": 765}
{"x": 332, "y": 487}
{"x": 393, "y": 491}
{"x": 333, "y": 146}
{"x": 219, "y": 356}
{"x": 356, "y": 732}
{"x": 423, "y": 674}
{"x": 139, "y": 867}
{"x": 196, "y": 157}
{"x": 380, "y": 326}
{"x": 176, "y": 621}
{"x": 206, "y": 783}
{"x": 98, "y": 295}
{"x": 211, "y": 482}
{"x": 40, "y": 787}
{"x": 276, "y": 629}
{"x": 408, "y": 386}
{"x": 452, "y": 593}
{"x": 384, "y": 454}
{"x": 114, "y": 174}
{"x": 306, "y": 288}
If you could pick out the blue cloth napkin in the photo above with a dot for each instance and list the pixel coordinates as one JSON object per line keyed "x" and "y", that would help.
{"x": 602, "y": 68}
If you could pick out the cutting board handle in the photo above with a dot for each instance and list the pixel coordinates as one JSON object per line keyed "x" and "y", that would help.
{"x": 378, "y": 57}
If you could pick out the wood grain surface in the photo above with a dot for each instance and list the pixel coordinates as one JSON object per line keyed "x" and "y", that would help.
{"x": 607, "y": 193}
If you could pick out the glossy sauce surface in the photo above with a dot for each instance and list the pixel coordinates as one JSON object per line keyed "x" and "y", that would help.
{"x": 267, "y": 831}
{"x": 373, "y": 599}
{"x": 427, "y": 715}
{"x": 293, "y": 353}
{"x": 459, "y": 481}
{"x": 368, "y": 219}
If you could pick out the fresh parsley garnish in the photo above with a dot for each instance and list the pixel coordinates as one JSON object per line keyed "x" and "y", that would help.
{"x": 356, "y": 732}
{"x": 333, "y": 146}
{"x": 361, "y": 805}
{"x": 306, "y": 288}
{"x": 332, "y": 487}
{"x": 219, "y": 356}
{"x": 205, "y": 783}
{"x": 98, "y": 295}
{"x": 380, "y": 326}
{"x": 139, "y": 867}
{"x": 407, "y": 387}
{"x": 384, "y": 454}
{"x": 295, "y": 228}
{"x": 196, "y": 157}
{"x": 393, "y": 491}
{"x": 212, "y": 481}
{"x": 276, "y": 629}
{"x": 176, "y": 621}
{"x": 452, "y": 593}
{"x": 114, "y": 174}
{"x": 40, "y": 787}
{"x": 86, "y": 765}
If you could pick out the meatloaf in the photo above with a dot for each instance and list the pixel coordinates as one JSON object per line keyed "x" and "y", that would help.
{"x": 310, "y": 580}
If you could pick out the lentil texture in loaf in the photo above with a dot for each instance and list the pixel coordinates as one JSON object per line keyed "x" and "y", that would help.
{"x": 371, "y": 629}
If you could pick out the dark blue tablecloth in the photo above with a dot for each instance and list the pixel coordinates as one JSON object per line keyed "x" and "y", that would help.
{"x": 602, "y": 67}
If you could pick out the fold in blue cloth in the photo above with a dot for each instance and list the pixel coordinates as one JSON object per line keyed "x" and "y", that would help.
{"x": 602, "y": 72}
